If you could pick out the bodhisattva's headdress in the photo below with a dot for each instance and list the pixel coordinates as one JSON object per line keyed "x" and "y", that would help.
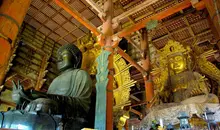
{"x": 172, "y": 48}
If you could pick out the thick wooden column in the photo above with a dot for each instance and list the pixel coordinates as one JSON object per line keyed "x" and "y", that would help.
{"x": 12, "y": 13}
{"x": 104, "y": 85}
{"x": 149, "y": 91}
{"x": 213, "y": 7}
{"x": 108, "y": 32}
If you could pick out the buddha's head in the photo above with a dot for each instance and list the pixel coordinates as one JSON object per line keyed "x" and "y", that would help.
{"x": 175, "y": 56}
{"x": 177, "y": 62}
{"x": 69, "y": 56}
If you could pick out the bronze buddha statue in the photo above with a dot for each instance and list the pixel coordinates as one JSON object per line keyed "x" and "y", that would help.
{"x": 69, "y": 94}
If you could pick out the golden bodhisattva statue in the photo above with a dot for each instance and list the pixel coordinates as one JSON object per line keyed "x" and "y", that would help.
{"x": 177, "y": 77}
{"x": 181, "y": 87}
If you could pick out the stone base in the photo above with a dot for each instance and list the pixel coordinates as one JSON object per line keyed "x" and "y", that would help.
{"x": 169, "y": 112}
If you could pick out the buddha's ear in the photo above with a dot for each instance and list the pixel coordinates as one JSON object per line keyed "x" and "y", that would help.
{"x": 79, "y": 62}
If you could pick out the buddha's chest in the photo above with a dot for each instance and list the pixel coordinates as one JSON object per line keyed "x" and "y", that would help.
{"x": 61, "y": 86}
{"x": 62, "y": 90}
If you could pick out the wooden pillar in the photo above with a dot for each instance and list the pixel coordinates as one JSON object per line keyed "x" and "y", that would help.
{"x": 12, "y": 13}
{"x": 149, "y": 91}
{"x": 108, "y": 32}
{"x": 126, "y": 125}
{"x": 145, "y": 49}
{"x": 104, "y": 84}
{"x": 213, "y": 7}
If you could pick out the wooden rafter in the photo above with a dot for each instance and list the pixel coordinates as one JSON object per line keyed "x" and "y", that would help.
{"x": 76, "y": 28}
{"x": 136, "y": 112}
{"x": 214, "y": 19}
{"x": 11, "y": 77}
{"x": 78, "y": 16}
{"x": 197, "y": 36}
{"x": 95, "y": 6}
{"x": 157, "y": 16}
{"x": 133, "y": 43}
{"x": 130, "y": 60}
{"x": 38, "y": 11}
{"x": 134, "y": 10}
{"x": 135, "y": 98}
{"x": 189, "y": 27}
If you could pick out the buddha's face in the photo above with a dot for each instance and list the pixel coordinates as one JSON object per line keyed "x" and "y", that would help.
{"x": 65, "y": 60}
{"x": 177, "y": 63}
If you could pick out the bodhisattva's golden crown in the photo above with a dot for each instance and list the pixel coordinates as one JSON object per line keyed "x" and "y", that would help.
{"x": 173, "y": 47}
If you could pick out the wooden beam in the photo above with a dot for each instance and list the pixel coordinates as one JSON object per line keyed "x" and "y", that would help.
{"x": 214, "y": 13}
{"x": 78, "y": 16}
{"x": 11, "y": 77}
{"x": 131, "y": 61}
{"x": 133, "y": 44}
{"x": 95, "y": 6}
{"x": 42, "y": 73}
{"x": 134, "y": 10}
{"x": 136, "y": 112}
{"x": 139, "y": 104}
{"x": 157, "y": 16}
{"x": 214, "y": 20}
{"x": 207, "y": 31}
{"x": 199, "y": 5}
{"x": 135, "y": 98}
{"x": 189, "y": 27}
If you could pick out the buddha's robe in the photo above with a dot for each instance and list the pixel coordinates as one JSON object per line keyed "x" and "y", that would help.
{"x": 75, "y": 88}
{"x": 188, "y": 84}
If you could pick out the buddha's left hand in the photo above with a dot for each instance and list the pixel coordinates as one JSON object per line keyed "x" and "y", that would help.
{"x": 18, "y": 93}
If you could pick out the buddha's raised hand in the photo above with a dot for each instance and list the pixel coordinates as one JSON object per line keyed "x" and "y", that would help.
{"x": 18, "y": 93}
